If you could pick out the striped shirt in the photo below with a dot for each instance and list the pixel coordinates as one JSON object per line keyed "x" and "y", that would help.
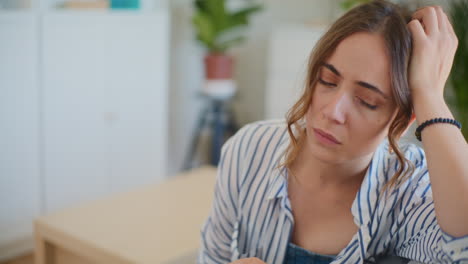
{"x": 251, "y": 214}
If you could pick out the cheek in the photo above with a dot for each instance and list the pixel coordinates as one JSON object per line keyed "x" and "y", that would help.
{"x": 378, "y": 120}
{"x": 369, "y": 132}
{"x": 381, "y": 122}
{"x": 317, "y": 101}
{"x": 313, "y": 112}
{"x": 309, "y": 117}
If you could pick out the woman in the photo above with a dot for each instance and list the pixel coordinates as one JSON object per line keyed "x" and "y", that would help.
{"x": 332, "y": 185}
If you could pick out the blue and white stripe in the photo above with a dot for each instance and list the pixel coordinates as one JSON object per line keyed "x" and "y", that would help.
{"x": 251, "y": 214}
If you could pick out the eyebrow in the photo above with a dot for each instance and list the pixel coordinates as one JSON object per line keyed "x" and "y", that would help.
{"x": 361, "y": 83}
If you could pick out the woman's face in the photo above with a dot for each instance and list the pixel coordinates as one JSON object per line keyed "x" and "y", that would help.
{"x": 352, "y": 101}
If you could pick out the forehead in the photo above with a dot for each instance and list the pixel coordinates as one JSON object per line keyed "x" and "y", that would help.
{"x": 363, "y": 57}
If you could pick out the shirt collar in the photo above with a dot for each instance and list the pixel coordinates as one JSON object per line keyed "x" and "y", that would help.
{"x": 366, "y": 198}
{"x": 277, "y": 184}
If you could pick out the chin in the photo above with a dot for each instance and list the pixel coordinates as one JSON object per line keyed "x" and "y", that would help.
{"x": 327, "y": 157}
{"x": 325, "y": 154}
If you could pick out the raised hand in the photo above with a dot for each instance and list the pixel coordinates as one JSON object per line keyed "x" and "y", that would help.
{"x": 434, "y": 46}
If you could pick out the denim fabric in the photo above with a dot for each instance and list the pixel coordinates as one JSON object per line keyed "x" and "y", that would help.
{"x": 298, "y": 255}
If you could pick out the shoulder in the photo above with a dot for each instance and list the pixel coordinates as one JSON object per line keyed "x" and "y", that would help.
{"x": 413, "y": 189}
{"x": 414, "y": 153}
{"x": 262, "y": 125}
{"x": 417, "y": 173}
{"x": 256, "y": 148}
{"x": 415, "y": 186}
{"x": 257, "y": 136}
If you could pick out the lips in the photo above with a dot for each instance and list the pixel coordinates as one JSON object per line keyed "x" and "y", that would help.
{"x": 327, "y": 135}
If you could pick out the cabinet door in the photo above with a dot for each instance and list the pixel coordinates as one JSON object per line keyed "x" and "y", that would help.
{"x": 105, "y": 103}
{"x": 19, "y": 126}
{"x": 136, "y": 79}
{"x": 76, "y": 136}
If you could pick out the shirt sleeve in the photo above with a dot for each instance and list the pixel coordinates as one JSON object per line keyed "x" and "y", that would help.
{"x": 419, "y": 236}
{"x": 217, "y": 230}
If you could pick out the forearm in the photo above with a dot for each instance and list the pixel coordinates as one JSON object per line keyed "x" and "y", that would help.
{"x": 447, "y": 160}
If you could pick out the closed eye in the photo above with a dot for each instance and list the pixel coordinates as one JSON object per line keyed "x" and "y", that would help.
{"x": 326, "y": 83}
{"x": 366, "y": 104}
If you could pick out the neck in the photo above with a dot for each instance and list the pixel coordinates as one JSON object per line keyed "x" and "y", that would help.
{"x": 313, "y": 173}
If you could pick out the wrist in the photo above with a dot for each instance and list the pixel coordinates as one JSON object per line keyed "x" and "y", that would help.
{"x": 429, "y": 122}
{"x": 423, "y": 95}
{"x": 428, "y": 106}
{"x": 425, "y": 98}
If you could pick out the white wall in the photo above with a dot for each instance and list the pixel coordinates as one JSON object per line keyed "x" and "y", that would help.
{"x": 186, "y": 75}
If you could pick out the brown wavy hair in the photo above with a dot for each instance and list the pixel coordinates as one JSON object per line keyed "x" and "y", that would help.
{"x": 378, "y": 17}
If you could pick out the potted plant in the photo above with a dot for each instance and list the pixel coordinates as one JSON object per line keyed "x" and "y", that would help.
{"x": 218, "y": 29}
{"x": 459, "y": 75}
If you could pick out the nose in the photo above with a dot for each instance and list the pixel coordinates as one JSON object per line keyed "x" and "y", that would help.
{"x": 334, "y": 110}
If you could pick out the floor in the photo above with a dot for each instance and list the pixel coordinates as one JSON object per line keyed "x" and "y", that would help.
{"x": 27, "y": 259}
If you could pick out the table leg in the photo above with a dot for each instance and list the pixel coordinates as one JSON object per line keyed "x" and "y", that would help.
{"x": 42, "y": 249}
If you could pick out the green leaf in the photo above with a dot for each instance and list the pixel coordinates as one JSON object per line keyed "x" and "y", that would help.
{"x": 217, "y": 11}
{"x": 223, "y": 46}
{"x": 458, "y": 14}
{"x": 215, "y": 26}
{"x": 201, "y": 5}
{"x": 244, "y": 13}
{"x": 240, "y": 18}
{"x": 348, "y": 4}
{"x": 205, "y": 30}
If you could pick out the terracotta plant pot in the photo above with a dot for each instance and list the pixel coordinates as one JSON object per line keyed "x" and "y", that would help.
{"x": 219, "y": 83}
{"x": 218, "y": 66}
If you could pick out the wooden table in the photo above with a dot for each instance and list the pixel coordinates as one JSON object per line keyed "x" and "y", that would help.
{"x": 159, "y": 223}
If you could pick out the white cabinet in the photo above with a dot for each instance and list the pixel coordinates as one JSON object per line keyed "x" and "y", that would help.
{"x": 105, "y": 94}
{"x": 19, "y": 126}
{"x": 83, "y": 109}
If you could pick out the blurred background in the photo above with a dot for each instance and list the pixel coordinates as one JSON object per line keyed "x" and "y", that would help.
{"x": 99, "y": 97}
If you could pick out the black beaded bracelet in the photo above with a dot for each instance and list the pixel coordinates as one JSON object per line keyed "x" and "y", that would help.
{"x": 433, "y": 121}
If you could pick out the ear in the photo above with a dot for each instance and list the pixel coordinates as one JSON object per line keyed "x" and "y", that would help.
{"x": 412, "y": 119}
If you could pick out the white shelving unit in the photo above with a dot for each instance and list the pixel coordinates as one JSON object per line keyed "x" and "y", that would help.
{"x": 83, "y": 108}
{"x": 16, "y": 4}
{"x": 115, "y": 86}
{"x": 19, "y": 123}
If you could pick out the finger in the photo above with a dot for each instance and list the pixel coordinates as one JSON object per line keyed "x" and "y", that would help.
{"x": 441, "y": 18}
{"x": 417, "y": 31}
{"x": 449, "y": 26}
{"x": 449, "y": 29}
{"x": 428, "y": 18}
